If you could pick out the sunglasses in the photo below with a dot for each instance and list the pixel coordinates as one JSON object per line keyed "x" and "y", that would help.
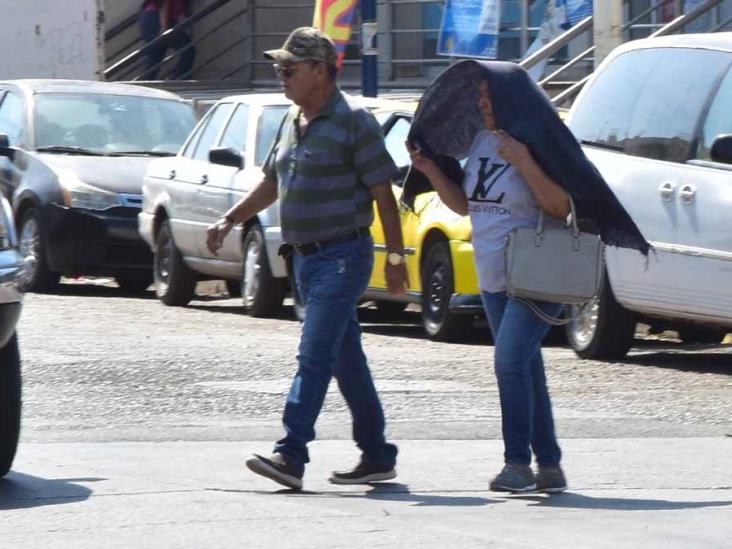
{"x": 284, "y": 72}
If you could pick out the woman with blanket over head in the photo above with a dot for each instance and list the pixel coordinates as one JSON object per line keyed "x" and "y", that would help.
{"x": 521, "y": 158}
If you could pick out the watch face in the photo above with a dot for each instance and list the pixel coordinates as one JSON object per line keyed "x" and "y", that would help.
{"x": 395, "y": 258}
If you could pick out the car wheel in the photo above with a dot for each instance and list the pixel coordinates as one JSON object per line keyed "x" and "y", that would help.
{"x": 602, "y": 329}
{"x": 133, "y": 284}
{"x": 35, "y": 275}
{"x": 10, "y": 403}
{"x": 261, "y": 293}
{"x": 437, "y": 288}
{"x": 233, "y": 287}
{"x": 701, "y": 334}
{"x": 175, "y": 282}
{"x": 390, "y": 309}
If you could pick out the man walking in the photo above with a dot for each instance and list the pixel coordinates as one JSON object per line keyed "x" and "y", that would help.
{"x": 327, "y": 166}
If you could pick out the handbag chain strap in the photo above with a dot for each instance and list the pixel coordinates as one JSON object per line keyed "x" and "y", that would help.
{"x": 554, "y": 321}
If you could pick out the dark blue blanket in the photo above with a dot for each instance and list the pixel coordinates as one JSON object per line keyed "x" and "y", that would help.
{"x": 448, "y": 119}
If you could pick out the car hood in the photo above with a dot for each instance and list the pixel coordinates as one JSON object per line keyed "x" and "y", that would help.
{"x": 119, "y": 174}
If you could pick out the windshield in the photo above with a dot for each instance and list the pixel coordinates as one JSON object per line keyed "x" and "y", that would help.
{"x": 107, "y": 124}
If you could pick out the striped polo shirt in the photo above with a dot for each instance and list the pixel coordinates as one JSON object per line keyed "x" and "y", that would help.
{"x": 324, "y": 175}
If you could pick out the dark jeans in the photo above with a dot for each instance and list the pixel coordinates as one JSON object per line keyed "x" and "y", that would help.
{"x": 179, "y": 41}
{"x": 526, "y": 411}
{"x": 330, "y": 282}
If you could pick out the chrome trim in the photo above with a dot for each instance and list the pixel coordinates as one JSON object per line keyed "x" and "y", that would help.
{"x": 692, "y": 251}
{"x": 382, "y": 248}
{"x": 130, "y": 200}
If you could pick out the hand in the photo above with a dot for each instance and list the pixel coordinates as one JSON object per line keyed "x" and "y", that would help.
{"x": 421, "y": 162}
{"x": 514, "y": 152}
{"x": 216, "y": 233}
{"x": 397, "y": 278}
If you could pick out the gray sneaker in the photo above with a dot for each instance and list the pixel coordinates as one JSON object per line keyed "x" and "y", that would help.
{"x": 551, "y": 480}
{"x": 514, "y": 478}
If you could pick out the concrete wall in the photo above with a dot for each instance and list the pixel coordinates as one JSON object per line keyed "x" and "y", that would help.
{"x": 51, "y": 39}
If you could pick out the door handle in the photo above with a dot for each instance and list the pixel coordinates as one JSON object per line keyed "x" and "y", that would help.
{"x": 171, "y": 175}
{"x": 687, "y": 193}
{"x": 204, "y": 179}
{"x": 666, "y": 190}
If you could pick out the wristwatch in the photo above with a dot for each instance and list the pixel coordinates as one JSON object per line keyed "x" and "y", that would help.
{"x": 395, "y": 258}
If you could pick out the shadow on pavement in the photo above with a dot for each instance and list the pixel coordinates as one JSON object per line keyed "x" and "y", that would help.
{"x": 394, "y": 491}
{"x": 98, "y": 290}
{"x": 679, "y": 358}
{"x": 20, "y": 491}
{"x": 571, "y": 500}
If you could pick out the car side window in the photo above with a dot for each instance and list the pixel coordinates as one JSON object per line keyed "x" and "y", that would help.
{"x": 12, "y": 117}
{"x": 235, "y": 134}
{"x": 394, "y": 138}
{"x": 211, "y": 131}
{"x": 269, "y": 124}
{"x": 648, "y": 102}
{"x": 719, "y": 118}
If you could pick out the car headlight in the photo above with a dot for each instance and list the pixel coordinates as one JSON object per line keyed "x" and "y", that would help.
{"x": 82, "y": 195}
{"x": 8, "y": 237}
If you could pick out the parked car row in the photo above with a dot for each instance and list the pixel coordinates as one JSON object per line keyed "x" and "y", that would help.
{"x": 659, "y": 137}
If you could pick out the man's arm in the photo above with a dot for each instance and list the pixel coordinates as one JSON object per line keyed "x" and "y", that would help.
{"x": 261, "y": 196}
{"x": 397, "y": 279}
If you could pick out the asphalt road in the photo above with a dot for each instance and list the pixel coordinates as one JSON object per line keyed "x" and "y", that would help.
{"x": 99, "y": 366}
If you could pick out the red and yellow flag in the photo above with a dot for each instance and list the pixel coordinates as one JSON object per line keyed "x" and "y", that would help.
{"x": 334, "y": 18}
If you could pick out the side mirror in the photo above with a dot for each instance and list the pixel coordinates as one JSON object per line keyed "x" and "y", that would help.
{"x": 5, "y": 149}
{"x": 226, "y": 157}
{"x": 722, "y": 149}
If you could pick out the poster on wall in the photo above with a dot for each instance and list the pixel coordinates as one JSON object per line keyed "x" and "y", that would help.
{"x": 334, "y": 18}
{"x": 470, "y": 29}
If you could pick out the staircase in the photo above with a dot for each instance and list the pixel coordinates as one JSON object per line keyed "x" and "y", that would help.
{"x": 230, "y": 34}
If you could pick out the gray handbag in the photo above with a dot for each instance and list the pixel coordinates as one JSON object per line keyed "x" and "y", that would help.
{"x": 558, "y": 265}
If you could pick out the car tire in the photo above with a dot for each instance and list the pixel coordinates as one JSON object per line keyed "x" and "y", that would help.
{"x": 438, "y": 285}
{"x": 701, "y": 334}
{"x": 261, "y": 293}
{"x": 133, "y": 284}
{"x": 175, "y": 282}
{"x": 10, "y": 403}
{"x": 602, "y": 329}
{"x": 36, "y": 276}
{"x": 233, "y": 287}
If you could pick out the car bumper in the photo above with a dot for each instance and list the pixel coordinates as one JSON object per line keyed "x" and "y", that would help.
{"x": 10, "y": 296}
{"x": 95, "y": 242}
{"x": 145, "y": 228}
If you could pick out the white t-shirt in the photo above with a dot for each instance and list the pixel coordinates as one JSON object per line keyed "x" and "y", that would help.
{"x": 499, "y": 200}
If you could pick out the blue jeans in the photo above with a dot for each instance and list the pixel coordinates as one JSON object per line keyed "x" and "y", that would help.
{"x": 330, "y": 282}
{"x": 526, "y": 411}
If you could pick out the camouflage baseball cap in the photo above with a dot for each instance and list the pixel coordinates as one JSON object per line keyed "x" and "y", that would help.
{"x": 305, "y": 44}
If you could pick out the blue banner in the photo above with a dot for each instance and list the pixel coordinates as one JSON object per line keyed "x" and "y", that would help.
{"x": 576, "y": 10}
{"x": 470, "y": 28}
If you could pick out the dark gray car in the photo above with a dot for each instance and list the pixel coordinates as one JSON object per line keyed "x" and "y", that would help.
{"x": 75, "y": 156}
{"x": 10, "y": 304}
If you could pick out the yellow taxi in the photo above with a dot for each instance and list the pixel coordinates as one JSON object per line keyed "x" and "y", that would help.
{"x": 438, "y": 248}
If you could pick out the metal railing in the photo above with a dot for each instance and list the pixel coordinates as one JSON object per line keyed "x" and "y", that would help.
{"x": 669, "y": 28}
{"x": 125, "y": 68}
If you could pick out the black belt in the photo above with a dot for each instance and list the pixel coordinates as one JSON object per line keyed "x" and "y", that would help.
{"x": 312, "y": 247}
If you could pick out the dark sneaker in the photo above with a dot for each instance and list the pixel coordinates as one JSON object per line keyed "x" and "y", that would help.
{"x": 514, "y": 478}
{"x": 276, "y": 468}
{"x": 551, "y": 480}
{"x": 363, "y": 473}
